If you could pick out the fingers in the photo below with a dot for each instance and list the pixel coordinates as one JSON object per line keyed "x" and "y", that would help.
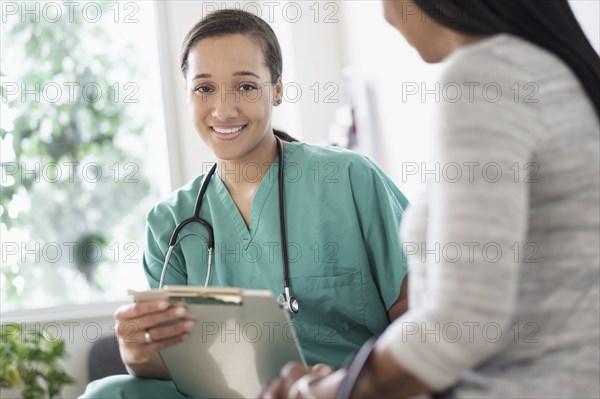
{"x": 321, "y": 369}
{"x": 165, "y": 343}
{"x": 168, "y": 331}
{"x": 153, "y": 320}
{"x": 280, "y": 388}
{"x": 293, "y": 371}
{"x": 274, "y": 390}
{"x": 165, "y": 323}
{"x": 135, "y": 319}
{"x": 134, "y": 310}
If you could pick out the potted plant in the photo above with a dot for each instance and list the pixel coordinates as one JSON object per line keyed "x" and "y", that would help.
{"x": 30, "y": 363}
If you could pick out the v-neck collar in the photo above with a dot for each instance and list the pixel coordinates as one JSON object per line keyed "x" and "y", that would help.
{"x": 259, "y": 201}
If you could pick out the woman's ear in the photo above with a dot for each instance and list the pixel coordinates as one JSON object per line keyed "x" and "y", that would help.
{"x": 278, "y": 95}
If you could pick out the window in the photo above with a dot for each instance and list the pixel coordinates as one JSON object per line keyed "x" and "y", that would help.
{"x": 82, "y": 149}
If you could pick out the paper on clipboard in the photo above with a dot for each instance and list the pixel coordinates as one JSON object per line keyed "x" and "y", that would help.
{"x": 180, "y": 292}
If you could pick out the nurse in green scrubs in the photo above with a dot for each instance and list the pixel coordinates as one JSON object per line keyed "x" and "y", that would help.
{"x": 342, "y": 214}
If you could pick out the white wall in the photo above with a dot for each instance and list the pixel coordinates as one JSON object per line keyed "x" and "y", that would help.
{"x": 174, "y": 18}
{"x": 313, "y": 61}
{"x": 384, "y": 58}
{"x": 588, "y": 14}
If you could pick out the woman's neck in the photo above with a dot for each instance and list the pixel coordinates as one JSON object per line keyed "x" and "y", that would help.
{"x": 244, "y": 175}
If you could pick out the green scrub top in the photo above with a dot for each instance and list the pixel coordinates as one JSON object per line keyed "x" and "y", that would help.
{"x": 346, "y": 264}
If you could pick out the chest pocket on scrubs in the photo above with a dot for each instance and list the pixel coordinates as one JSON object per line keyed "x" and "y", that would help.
{"x": 329, "y": 304}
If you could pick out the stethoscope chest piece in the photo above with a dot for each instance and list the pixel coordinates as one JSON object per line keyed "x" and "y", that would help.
{"x": 289, "y": 303}
{"x": 294, "y": 304}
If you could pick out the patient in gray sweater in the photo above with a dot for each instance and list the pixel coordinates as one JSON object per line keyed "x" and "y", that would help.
{"x": 504, "y": 251}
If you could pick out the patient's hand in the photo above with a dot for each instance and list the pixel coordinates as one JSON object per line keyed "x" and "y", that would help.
{"x": 381, "y": 377}
{"x": 144, "y": 328}
{"x": 323, "y": 382}
{"x": 321, "y": 368}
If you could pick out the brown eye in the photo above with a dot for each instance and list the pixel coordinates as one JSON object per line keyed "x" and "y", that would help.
{"x": 204, "y": 89}
{"x": 247, "y": 87}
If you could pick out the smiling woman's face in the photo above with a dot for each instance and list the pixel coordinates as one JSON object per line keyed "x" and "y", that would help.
{"x": 230, "y": 95}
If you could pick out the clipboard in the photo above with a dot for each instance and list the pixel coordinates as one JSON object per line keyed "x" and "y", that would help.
{"x": 241, "y": 340}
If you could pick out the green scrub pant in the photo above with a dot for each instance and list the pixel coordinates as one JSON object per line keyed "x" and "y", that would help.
{"x": 129, "y": 387}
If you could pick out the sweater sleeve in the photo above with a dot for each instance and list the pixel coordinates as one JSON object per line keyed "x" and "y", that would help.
{"x": 478, "y": 212}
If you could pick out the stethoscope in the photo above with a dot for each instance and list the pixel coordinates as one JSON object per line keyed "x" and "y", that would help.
{"x": 286, "y": 299}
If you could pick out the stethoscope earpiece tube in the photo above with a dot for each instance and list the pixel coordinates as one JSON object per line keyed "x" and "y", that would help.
{"x": 164, "y": 269}
{"x": 194, "y": 219}
{"x": 292, "y": 302}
